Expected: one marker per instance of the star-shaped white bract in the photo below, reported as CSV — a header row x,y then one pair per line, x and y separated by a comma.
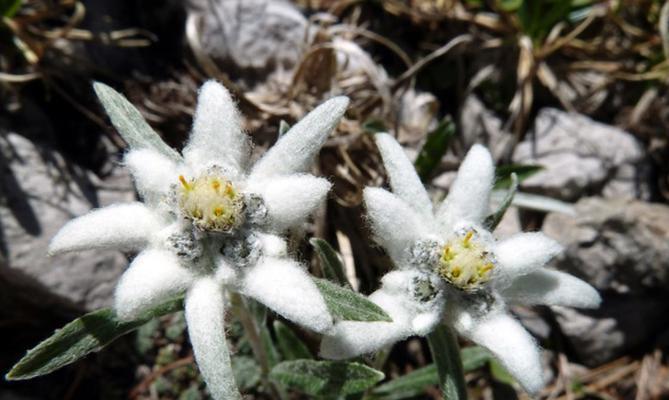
x,y
210,224
451,269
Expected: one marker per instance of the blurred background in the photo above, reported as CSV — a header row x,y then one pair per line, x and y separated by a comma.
x,y
569,94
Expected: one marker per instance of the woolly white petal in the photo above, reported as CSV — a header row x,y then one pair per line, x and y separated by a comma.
x,y
205,316
272,245
403,177
394,224
523,253
352,338
469,196
510,343
291,199
217,136
154,277
296,149
554,288
286,288
153,173
121,226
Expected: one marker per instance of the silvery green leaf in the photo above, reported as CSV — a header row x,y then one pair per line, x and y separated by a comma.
x,y
435,147
333,267
84,335
283,127
500,374
345,304
290,346
246,371
523,171
494,219
445,352
325,378
129,122
414,383
535,202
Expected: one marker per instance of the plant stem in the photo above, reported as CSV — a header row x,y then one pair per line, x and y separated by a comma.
x,y
446,355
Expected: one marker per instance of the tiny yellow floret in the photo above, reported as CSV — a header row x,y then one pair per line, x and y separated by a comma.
x,y
465,262
210,208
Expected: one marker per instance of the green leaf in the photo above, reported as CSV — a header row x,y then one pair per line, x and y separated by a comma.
x,y
374,126
414,383
84,335
130,124
331,264
347,305
536,202
246,371
8,8
494,219
445,351
283,127
474,357
503,174
325,378
434,148
500,374
290,346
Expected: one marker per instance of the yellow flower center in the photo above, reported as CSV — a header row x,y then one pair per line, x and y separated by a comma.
x,y
465,262
211,202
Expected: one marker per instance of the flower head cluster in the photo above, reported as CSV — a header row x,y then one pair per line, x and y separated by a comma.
x,y
211,224
451,269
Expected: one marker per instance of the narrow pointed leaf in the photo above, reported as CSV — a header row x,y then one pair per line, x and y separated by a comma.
x,y
290,346
84,335
331,264
414,383
445,351
347,305
325,378
503,174
129,122
283,127
434,148
494,219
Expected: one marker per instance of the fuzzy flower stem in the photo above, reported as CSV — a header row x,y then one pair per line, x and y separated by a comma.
x,y
250,327
445,351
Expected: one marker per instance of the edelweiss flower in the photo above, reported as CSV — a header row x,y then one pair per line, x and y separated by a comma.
x,y
452,270
209,224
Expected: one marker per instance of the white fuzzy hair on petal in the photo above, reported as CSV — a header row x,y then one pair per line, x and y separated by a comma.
x,y
153,173
402,175
469,196
352,338
272,245
291,199
154,277
295,150
521,254
120,226
395,225
286,288
205,317
217,136
510,343
553,288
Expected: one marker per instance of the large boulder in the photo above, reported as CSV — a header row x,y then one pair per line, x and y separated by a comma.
x,y
622,248
582,157
41,191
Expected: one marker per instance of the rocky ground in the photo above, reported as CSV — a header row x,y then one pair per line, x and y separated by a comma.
x,y
586,101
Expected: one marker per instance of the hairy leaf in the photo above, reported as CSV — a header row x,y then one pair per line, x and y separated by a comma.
x,y
84,335
333,268
345,304
129,122
325,378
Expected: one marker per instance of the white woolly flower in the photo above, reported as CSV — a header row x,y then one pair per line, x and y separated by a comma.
x,y
210,224
452,270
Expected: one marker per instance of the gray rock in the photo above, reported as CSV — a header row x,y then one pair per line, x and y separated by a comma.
x,y
582,157
41,191
480,125
617,245
622,324
251,34
622,248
